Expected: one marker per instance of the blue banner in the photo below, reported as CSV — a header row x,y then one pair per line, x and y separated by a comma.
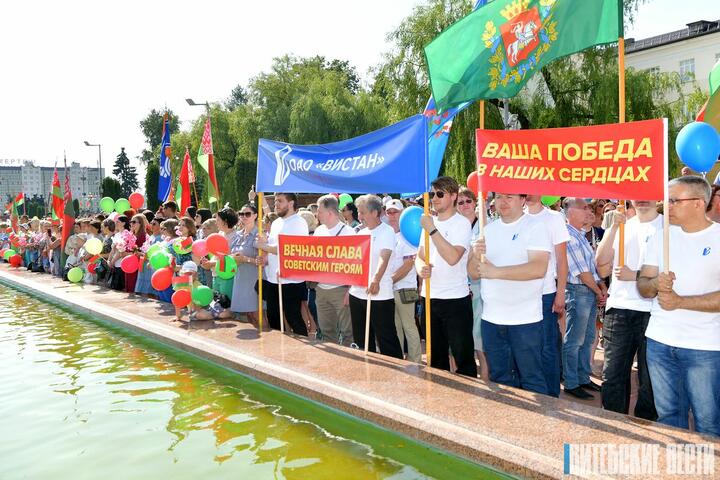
x,y
165,181
390,160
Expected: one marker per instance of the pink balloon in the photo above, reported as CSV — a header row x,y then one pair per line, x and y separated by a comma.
x,y
136,200
199,248
130,264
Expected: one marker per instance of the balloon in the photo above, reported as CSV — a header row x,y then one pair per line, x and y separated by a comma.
x,y
122,205
161,279
92,267
15,260
181,298
94,246
549,200
217,244
472,182
9,253
344,199
182,245
229,267
410,227
160,260
199,248
9,230
130,264
154,248
698,146
202,296
107,204
136,200
75,274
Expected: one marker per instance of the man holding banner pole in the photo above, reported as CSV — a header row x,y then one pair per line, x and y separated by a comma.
x,y
293,291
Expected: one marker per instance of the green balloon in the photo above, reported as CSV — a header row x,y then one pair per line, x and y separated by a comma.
x,y
75,274
230,268
202,296
122,205
344,199
160,260
549,200
9,253
107,204
155,248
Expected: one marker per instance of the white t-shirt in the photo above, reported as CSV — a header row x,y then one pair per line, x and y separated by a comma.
x,y
383,238
625,294
554,222
695,260
292,225
448,282
513,302
403,250
339,230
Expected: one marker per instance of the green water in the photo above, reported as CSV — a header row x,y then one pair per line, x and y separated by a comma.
x,y
82,400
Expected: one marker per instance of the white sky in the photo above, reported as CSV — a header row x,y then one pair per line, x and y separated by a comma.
x,y
91,70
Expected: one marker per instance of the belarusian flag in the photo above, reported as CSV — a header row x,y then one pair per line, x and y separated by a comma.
x,y
206,160
14,214
57,199
182,194
493,51
710,112
68,216
19,199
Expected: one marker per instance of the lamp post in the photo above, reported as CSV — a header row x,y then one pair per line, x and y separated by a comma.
x,y
88,144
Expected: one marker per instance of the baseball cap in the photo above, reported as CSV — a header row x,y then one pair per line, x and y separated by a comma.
x,y
394,203
189,266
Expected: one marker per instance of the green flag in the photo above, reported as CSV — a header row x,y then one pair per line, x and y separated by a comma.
x,y
714,78
493,51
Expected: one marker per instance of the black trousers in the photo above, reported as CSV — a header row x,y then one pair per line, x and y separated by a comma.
x,y
382,326
293,295
623,337
451,322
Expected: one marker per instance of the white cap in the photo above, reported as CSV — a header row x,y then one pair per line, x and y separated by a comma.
x,y
394,203
386,199
189,266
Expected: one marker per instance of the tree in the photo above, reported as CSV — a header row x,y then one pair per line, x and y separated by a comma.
x,y
151,127
125,173
111,188
152,181
238,97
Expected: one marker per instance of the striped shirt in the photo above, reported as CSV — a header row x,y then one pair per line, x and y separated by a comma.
x,y
581,257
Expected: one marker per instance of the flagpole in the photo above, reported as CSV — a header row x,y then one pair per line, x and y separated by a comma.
x,y
481,194
260,266
621,119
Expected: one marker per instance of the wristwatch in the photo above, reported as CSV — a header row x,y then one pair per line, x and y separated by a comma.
x,y
433,231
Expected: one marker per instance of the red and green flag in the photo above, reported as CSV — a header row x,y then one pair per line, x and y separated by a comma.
x,y
182,193
710,112
14,216
493,51
57,198
206,159
68,213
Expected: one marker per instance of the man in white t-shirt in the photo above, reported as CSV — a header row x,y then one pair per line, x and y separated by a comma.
x,y
382,303
404,280
683,334
553,298
294,291
451,317
332,300
517,252
626,312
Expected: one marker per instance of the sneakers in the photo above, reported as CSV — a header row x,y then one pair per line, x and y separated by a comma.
x,y
578,392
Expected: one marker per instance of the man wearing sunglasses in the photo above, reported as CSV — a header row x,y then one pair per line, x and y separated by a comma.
x,y
683,334
451,314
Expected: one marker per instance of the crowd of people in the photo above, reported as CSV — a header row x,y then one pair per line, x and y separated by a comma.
x,y
521,293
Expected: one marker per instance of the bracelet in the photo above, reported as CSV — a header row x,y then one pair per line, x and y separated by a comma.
x,y
432,232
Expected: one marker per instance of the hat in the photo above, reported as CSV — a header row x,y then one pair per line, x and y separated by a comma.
x,y
189,266
394,203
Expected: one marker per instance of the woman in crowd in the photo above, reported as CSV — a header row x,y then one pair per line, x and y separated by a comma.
x,y
108,231
169,234
138,227
244,297
117,280
350,214
143,285
201,216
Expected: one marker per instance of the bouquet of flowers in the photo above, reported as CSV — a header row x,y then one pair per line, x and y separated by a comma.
x,y
125,241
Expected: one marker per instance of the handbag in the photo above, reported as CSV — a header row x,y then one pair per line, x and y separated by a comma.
x,y
408,295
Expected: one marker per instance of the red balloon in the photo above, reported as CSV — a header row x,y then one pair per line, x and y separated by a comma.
x,y
92,267
130,264
15,260
472,182
136,200
181,298
217,244
162,279
199,248
8,230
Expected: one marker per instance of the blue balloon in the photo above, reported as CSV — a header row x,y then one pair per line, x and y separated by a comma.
x,y
410,227
698,146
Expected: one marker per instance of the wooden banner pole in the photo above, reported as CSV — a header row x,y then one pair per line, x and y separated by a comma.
x,y
621,119
260,264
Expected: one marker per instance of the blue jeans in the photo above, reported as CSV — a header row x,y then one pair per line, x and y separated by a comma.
x,y
514,354
683,380
550,347
580,307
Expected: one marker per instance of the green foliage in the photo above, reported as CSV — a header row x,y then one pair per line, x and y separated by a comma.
x,y
151,127
126,173
152,180
111,188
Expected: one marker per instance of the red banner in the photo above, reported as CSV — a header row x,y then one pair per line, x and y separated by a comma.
x,y
625,161
335,260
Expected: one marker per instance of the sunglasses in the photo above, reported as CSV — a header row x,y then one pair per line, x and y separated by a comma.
x,y
245,214
464,202
439,194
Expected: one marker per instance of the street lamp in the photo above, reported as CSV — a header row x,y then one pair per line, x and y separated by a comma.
x,y
88,144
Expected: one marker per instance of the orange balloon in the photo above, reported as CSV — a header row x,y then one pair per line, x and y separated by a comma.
x,y
472,182
217,244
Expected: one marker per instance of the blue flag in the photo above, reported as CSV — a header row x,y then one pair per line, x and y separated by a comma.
x,y
390,160
165,182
